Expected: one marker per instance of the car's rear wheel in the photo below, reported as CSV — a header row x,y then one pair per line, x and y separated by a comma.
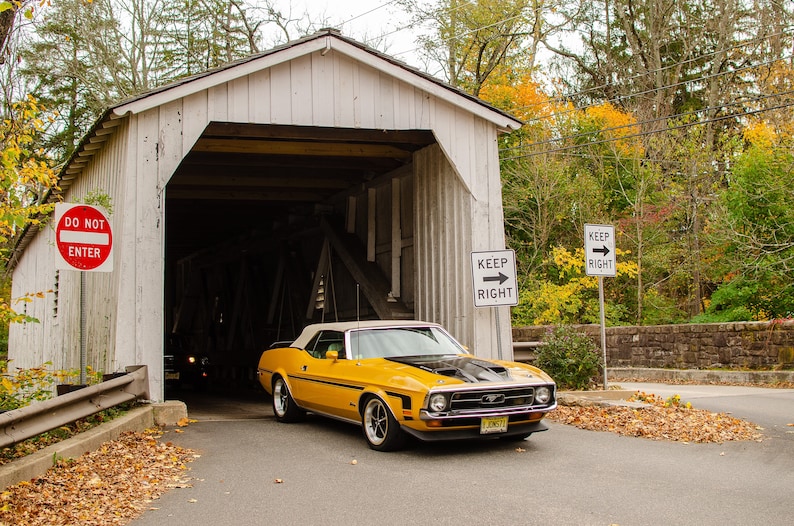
x,y
284,406
381,429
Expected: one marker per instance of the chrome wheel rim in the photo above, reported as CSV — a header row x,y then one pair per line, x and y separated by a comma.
x,y
280,397
376,422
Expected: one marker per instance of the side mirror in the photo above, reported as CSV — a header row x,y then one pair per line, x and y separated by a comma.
x,y
332,355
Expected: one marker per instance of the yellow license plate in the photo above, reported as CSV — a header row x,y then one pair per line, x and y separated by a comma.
x,y
493,424
172,376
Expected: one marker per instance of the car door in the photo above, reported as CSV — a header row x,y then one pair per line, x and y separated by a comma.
x,y
328,384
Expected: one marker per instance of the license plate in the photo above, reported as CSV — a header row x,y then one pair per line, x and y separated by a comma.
x,y
172,376
493,424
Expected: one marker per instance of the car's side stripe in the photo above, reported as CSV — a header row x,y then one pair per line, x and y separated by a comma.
x,y
327,382
406,400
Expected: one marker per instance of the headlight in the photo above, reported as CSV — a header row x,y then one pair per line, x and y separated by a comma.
x,y
542,395
191,359
438,402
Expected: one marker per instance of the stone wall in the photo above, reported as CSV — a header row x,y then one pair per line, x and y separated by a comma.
x,y
746,345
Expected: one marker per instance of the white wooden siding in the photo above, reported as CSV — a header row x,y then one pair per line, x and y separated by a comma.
x,y
56,338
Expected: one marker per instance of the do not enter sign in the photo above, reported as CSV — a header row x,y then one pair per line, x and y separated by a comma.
x,y
84,238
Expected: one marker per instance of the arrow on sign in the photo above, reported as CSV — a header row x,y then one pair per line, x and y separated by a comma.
x,y
501,278
604,251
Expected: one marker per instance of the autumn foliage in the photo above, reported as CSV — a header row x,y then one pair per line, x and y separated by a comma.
x,y
111,485
657,419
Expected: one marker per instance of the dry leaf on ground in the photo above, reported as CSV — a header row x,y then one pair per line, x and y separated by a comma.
x,y
111,485
658,421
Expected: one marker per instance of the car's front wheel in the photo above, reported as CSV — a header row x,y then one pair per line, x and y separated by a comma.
x,y
284,406
381,429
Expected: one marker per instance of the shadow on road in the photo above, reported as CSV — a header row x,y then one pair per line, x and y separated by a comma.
x,y
207,406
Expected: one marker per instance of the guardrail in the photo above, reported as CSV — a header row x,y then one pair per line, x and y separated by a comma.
x,y
26,422
525,351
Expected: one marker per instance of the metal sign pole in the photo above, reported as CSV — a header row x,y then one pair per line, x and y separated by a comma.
x,y
83,346
603,327
498,335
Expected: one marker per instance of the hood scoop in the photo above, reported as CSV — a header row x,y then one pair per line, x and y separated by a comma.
x,y
463,368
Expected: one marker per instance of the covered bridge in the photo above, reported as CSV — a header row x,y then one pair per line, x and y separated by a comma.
x,y
318,180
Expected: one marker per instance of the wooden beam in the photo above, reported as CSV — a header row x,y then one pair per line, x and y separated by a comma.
x,y
222,194
396,238
322,270
260,181
314,149
350,223
369,276
415,139
372,202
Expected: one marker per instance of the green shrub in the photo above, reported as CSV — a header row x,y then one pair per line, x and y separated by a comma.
x,y
20,387
570,357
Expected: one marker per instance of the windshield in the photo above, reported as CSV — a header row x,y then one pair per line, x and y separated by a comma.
x,y
401,341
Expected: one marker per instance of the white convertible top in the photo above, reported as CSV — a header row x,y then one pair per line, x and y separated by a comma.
x,y
310,330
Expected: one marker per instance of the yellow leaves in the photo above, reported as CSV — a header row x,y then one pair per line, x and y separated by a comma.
x,y
614,123
6,385
563,296
25,172
521,96
760,134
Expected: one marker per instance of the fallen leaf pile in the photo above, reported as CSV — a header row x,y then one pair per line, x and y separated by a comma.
x,y
657,420
9,454
111,485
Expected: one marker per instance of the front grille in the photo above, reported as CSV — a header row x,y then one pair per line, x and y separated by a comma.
x,y
492,399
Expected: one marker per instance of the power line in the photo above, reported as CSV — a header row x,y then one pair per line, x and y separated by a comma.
x,y
412,25
641,134
660,119
649,91
659,70
365,13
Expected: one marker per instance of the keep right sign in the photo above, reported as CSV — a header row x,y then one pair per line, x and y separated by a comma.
x,y
599,250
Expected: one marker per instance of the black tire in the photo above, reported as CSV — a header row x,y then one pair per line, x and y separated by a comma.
x,y
380,428
284,406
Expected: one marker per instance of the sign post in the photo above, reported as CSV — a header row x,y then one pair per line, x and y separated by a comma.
x,y
84,239
494,277
599,260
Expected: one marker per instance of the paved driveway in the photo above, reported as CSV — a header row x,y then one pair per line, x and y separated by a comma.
x,y
562,476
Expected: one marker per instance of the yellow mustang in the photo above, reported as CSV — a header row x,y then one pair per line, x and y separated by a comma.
x,y
399,378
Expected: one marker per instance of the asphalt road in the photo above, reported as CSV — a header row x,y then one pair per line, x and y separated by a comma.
x,y
253,471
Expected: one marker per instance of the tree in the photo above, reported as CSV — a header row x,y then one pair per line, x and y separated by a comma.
x,y
756,234
9,10
65,66
26,178
469,41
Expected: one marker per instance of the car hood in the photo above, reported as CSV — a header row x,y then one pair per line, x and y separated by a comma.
x,y
467,368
